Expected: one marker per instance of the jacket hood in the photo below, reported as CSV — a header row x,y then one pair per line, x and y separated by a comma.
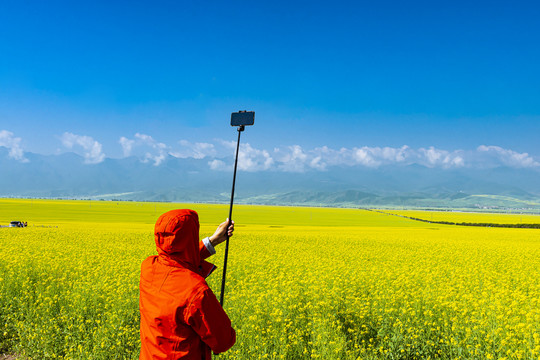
x,y
177,239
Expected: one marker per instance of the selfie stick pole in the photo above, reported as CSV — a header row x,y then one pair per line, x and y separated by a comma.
x,y
240,129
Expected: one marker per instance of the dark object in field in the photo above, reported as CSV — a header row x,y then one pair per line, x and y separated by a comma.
x,y
18,224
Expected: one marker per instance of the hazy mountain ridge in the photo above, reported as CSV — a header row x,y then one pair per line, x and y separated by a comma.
x,y
192,180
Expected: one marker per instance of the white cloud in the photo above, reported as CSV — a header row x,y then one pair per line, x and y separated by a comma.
x,y
294,159
127,145
151,149
508,157
251,159
195,150
366,156
435,157
218,165
8,140
92,150
395,154
322,157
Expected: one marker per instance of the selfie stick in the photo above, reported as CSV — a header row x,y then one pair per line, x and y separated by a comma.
x,y
241,126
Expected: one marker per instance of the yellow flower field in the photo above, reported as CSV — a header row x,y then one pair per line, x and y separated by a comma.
x,y
302,283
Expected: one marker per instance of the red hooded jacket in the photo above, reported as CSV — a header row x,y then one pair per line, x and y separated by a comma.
x,y
180,316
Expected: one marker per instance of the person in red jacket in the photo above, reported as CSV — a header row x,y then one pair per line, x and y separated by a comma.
x,y
181,317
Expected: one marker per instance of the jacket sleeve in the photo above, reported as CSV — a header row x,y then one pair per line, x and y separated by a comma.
x,y
205,268
208,319
203,251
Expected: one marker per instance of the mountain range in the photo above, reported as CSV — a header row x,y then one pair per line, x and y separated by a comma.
x,y
192,180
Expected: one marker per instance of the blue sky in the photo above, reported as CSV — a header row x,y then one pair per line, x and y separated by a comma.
x,y
452,76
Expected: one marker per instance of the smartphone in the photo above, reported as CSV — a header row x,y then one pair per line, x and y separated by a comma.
x,y
242,118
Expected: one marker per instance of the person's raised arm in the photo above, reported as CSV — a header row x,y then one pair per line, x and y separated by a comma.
x,y
207,245
220,233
